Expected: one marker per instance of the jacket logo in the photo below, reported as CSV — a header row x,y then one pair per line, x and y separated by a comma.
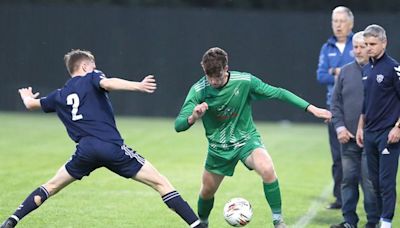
x,y
379,78
385,151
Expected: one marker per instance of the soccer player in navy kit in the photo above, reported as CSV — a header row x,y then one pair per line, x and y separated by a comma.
x,y
379,123
85,110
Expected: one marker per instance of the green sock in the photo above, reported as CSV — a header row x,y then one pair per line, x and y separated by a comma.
x,y
273,196
204,208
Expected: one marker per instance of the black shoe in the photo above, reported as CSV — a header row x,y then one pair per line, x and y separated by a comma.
x,y
334,205
204,224
371,225
343,225
9,223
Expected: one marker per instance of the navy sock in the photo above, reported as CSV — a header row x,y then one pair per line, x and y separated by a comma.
x,y
181,207
33,201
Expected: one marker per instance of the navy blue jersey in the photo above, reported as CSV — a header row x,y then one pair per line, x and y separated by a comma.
x,y
381,93
84,108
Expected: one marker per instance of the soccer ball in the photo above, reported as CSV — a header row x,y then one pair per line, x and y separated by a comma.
x,y
238,212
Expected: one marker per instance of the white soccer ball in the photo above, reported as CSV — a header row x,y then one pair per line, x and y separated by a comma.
x,y
238,212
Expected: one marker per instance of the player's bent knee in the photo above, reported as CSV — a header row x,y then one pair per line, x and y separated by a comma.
x,y
268,175
206,195
207,192
267,171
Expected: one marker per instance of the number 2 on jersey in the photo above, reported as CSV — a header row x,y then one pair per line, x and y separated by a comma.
x,y
73,100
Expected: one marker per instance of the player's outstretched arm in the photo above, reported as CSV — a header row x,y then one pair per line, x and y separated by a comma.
x,y
147,85
30,100
320,112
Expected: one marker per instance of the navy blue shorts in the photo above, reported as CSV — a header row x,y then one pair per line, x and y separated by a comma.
x,y
92,153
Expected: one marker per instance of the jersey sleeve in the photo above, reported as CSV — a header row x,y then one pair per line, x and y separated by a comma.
x,y
323,75
337,102
397,79
48,103
96,77
192,99
260,90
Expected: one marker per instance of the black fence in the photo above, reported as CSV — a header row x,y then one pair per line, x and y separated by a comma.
x,y
282,48
297,5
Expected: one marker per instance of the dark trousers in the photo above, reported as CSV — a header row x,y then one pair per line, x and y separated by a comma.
x,y
355,173
383,162
337,172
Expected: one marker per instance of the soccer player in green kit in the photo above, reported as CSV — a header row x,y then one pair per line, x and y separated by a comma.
x,y
222,99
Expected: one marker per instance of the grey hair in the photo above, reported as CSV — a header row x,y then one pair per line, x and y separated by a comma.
x,y
375,31
344,9
358,37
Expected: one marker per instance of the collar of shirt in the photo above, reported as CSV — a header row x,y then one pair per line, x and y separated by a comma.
x,y
375,61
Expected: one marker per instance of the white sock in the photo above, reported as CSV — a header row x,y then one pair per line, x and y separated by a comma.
x,y
196,223
276,217
386,224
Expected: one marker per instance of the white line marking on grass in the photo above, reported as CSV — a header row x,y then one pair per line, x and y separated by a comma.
x,y
314,208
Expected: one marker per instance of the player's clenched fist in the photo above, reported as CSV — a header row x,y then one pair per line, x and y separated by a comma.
x,y
198,112
200,109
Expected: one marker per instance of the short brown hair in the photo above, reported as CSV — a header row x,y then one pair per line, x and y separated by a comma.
x,y
214,61
74,58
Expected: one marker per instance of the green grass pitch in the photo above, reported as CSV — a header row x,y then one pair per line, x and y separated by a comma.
x,y
34,146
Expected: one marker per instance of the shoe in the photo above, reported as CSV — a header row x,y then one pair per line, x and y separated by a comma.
x,y
202,225
344,225
279,224
334,205
371,225
9,223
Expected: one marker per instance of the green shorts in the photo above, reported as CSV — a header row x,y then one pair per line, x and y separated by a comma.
x,y
223,162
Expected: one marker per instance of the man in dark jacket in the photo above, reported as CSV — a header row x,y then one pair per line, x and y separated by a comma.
x,y
347,100
379,125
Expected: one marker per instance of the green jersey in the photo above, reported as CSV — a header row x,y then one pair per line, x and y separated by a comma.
x,y
228,122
